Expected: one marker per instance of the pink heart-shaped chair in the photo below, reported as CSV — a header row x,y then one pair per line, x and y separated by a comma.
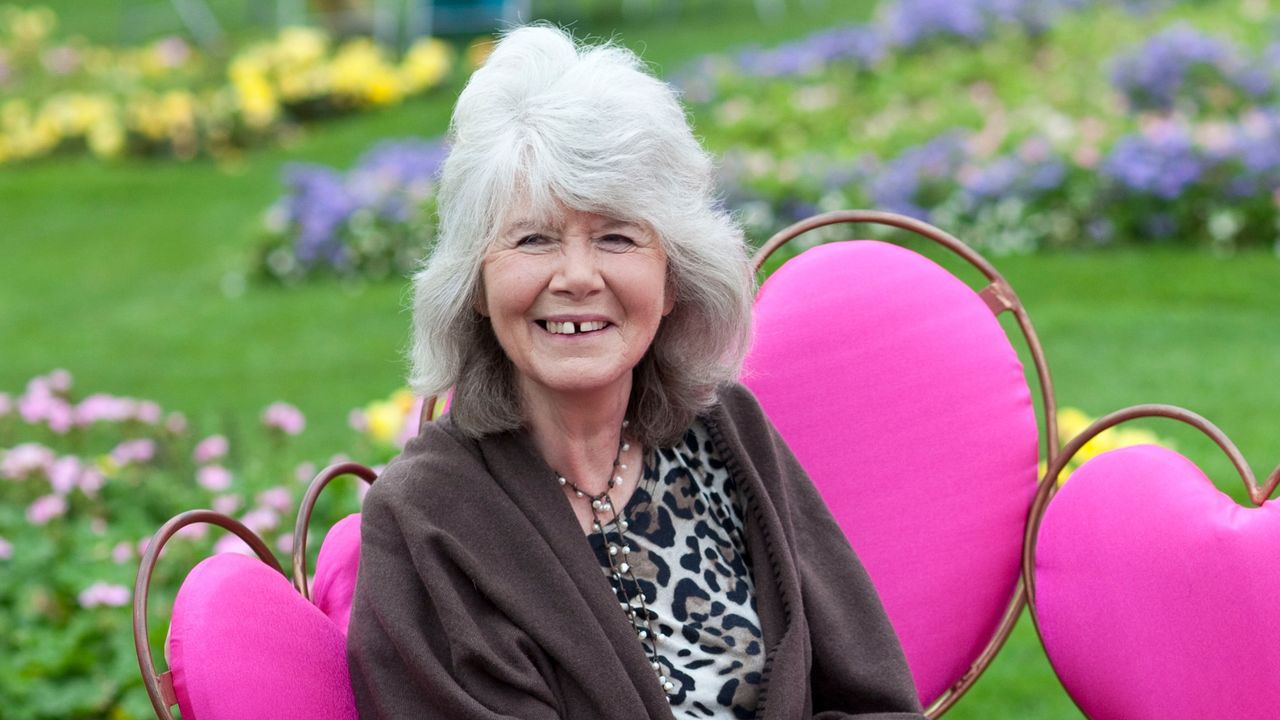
x,y
243,642
1152,590
898,390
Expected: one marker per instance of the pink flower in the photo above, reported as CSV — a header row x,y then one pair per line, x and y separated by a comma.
x,y
64,474
261,519
148,412
276,498
6,549
358,420
45,509
305,472
59,381
98,526
122,552
143,544
214,478
22,461
6,404
285,544
210,449
194,531
101,407
60,416
91,481
226,504
230,543
102,594
176,423
134,451
284,417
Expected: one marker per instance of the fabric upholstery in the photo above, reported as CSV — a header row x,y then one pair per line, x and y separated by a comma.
x,y
244,645
1155,591
901,395
336,570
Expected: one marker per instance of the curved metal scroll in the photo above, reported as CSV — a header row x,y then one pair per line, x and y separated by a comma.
x,y
428,413
999,296
160,687
304,516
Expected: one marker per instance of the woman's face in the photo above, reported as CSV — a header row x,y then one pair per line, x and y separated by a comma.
x,y
575,301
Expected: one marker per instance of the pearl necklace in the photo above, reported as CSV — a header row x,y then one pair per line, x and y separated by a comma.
x,y
621,574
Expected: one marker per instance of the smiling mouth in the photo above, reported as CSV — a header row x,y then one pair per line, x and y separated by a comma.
x,y
572,328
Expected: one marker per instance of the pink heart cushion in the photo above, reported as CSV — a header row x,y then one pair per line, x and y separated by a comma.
x,y
901,395
337,566
245,645
1156,592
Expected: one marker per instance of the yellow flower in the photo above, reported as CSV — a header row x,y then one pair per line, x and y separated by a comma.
x,y
106,138
302,45
425,65
386,418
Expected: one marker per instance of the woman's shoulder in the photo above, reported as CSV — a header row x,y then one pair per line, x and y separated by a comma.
x,y
425,475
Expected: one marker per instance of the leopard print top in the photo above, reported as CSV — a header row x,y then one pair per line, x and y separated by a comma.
x,y
689,558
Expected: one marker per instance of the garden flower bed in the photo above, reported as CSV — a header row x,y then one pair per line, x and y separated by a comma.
x,y
933,111
65,95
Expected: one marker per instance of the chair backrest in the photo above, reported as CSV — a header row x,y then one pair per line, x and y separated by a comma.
x,y
897,388
243,641
1152,590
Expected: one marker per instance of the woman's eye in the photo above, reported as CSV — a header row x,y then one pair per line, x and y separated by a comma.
x,y
617,240
531,241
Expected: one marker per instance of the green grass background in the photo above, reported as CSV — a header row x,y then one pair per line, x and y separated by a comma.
x,y
118,273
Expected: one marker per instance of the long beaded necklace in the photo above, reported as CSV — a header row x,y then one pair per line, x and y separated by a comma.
x,y
621,574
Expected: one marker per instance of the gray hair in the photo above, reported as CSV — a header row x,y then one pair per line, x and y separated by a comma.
x,y
553,124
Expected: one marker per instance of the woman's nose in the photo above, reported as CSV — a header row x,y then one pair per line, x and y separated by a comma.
x,y
578,272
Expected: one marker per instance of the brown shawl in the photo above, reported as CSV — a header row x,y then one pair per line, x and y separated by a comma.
x,y
479,598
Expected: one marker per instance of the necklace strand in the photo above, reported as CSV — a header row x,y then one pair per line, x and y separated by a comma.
x,y
620,568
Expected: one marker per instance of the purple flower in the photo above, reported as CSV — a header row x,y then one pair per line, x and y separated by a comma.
x,y
394,177
46,508
1167,66
1163,164
284,417
101,594
898,186
22,461
318,203
6,549
213,478
134,452
210,449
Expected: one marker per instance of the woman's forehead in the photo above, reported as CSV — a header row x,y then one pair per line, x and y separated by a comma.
x,y
560,217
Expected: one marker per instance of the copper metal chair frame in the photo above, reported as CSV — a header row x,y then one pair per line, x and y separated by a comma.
x,y
999,297
1258,494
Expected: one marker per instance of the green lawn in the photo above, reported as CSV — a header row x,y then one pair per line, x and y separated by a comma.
x,y
117,273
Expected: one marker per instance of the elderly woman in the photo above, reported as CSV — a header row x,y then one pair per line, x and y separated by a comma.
x,y
605,526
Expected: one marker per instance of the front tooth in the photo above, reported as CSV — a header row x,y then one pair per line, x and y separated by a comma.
x,y
567,328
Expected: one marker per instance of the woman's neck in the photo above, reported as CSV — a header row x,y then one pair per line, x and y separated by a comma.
x,y
579,434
